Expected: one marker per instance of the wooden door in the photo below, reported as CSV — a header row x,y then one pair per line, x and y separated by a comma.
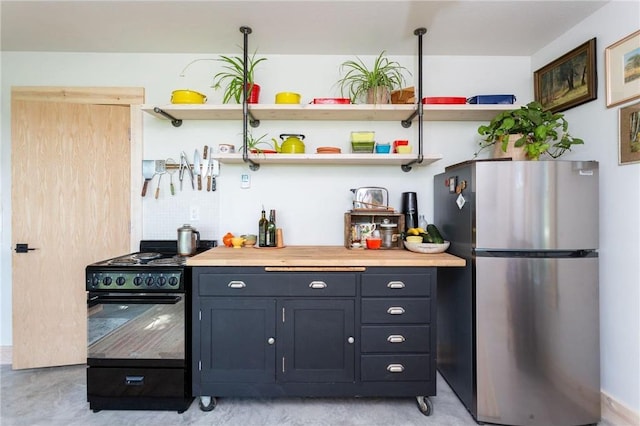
x,y
71,167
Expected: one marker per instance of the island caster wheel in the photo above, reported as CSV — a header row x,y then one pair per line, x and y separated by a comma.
x,y
207,403
424,405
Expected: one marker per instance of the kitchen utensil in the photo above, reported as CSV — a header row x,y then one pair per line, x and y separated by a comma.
x,y
185,96
426,247
383,148
148,172
215,171
287,98
184,165
331,101
196,168
387,231
291,145
188,240
410,209
171,167
363,136
161,168
444,100
373,243
370,197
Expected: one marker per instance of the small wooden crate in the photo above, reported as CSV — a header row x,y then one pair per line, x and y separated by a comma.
x,y
355,217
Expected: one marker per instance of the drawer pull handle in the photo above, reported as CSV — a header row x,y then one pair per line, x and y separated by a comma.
x,y
395,310
134,380
318,284
395,284
396,338
395,368
236,284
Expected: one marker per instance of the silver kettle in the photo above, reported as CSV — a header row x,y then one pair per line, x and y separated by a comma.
x,y
188,240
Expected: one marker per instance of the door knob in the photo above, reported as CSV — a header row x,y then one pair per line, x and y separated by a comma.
x,y
23,248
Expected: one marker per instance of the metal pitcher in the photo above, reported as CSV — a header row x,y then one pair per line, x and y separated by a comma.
x,y
188,240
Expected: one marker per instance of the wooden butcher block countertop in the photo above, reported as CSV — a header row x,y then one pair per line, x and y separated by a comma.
x,y
319,256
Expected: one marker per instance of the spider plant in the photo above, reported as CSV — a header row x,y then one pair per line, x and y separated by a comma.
x,y
232,76
359,80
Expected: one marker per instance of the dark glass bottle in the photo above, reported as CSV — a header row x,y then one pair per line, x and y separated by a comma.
x,y
271,229
262,230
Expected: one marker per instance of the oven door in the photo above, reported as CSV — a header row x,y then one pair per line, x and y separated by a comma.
x,y
136,329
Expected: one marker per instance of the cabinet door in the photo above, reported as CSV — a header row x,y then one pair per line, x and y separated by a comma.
x,y
316,343
235,340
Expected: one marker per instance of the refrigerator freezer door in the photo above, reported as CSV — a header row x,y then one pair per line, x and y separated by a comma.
x,y
528,205
537,337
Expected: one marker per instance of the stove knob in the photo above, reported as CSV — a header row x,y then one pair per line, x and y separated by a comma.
x,y
149,281
107,281
162,281
95,281
137,281
120,281
173,281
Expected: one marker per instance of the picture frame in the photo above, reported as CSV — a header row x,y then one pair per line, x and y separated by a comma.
x,y
568,81
622,70
629,143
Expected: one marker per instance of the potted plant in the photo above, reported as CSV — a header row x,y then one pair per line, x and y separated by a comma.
x,y
375,83
530,128
233,77
254,143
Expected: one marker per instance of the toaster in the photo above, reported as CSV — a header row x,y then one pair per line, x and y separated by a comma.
x,y
370,198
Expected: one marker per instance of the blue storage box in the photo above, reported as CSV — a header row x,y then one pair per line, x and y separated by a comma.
x,y
492,99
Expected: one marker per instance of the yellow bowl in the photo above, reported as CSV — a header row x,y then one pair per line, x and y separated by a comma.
x,y
403,149
287,98
187,97
237,242
414,239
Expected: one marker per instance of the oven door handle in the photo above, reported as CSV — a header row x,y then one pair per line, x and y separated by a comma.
x,y
132,299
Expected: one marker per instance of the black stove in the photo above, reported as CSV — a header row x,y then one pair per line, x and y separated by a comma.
x,y
139,329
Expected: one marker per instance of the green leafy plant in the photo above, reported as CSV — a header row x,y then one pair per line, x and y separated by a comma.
x,y
358,79
254,143
540,131
232,76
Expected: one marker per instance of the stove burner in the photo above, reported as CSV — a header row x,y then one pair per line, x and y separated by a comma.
x,y
146,256
171,261
124,261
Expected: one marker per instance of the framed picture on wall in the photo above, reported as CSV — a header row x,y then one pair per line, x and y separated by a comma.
x,y
622,70
629,147
568,81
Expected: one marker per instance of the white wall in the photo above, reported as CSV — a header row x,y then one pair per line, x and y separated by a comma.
x,y
311,200
619,205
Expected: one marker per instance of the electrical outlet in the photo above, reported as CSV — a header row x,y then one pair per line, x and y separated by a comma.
x,y
194,213
245,181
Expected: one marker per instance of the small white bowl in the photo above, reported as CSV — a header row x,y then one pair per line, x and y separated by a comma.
x,y
429,248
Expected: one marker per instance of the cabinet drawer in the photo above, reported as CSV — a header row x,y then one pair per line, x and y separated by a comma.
x,y
397,285
394,339
136,382
393,368
267,284
396,311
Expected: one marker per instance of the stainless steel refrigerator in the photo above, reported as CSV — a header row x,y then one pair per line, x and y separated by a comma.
x,y
518,326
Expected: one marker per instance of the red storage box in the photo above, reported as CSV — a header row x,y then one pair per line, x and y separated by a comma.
x,y
444,100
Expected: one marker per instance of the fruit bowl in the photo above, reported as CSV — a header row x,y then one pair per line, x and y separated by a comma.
x,y
426,247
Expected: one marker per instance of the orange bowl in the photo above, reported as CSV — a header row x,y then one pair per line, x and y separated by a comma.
x,y
374,243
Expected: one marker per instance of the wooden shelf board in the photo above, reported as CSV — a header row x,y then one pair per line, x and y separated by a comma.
x,y
327,159
334,112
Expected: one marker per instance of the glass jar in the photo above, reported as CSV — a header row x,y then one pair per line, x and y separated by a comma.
x,y
387,230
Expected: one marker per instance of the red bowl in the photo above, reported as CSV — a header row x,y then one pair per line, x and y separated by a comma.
x,y
444,100
374,243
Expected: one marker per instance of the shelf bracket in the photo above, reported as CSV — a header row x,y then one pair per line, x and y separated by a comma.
x,y
176,122
419,32
245,105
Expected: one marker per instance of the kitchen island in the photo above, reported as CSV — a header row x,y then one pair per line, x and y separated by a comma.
x,y
314,321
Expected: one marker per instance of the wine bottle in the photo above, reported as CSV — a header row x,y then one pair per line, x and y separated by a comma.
x,y
262,229
271,229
